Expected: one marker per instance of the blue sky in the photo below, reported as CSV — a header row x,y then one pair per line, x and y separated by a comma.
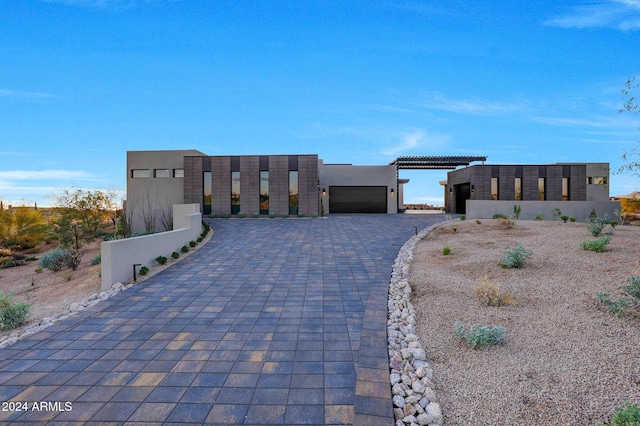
x,y
362,82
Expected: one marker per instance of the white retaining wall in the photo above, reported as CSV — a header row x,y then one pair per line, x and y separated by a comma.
x,y
485,209
119,256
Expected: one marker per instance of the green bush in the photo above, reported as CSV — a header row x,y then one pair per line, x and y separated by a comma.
x,y
314,215
12,315
256,215
478,221
184,249
572,219
628,415
300,214
446,250
58,258
500,216
479,335
7,262
199,240
225,215
540,216
556,213
96,260
175,255
192,244
517,209
595,224
161,260
285,215
272,215
599,245
240,215
144,270
515,257
564,218
620,306
463,217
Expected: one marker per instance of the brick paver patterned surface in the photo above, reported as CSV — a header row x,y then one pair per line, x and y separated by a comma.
x,y
274,321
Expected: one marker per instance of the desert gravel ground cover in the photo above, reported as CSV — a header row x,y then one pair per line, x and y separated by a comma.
x,y
565,361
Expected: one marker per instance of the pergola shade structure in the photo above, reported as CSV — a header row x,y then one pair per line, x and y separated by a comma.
x,y
426,162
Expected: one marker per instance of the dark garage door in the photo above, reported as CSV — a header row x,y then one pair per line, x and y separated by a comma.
x,y
357,199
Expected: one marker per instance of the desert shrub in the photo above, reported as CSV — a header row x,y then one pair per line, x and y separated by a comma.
x,y
463,217
53,259
629,300
479,336
613,224
572,219
241,215
539,216
515,257
144,270
455,229
598,245
595,224
300,214
12,314
478,221
4,252
564,218
272,215
161,260
446,250
285,215
500,216
628,415
7,262
192,244
184,249
175,255
556,213
199,239
72,259
314,215
517,209
225,215
96,260
255,215
507,222
491,294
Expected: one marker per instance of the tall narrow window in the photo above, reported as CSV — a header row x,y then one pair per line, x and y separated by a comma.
x,y
235,192
565,189
264,192
494,188
542,189
518,191
206,193
293,192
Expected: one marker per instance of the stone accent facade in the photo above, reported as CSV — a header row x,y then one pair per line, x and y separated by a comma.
x,y
249,167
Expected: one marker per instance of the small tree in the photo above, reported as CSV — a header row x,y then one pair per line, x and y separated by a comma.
x,y
631,158
21,226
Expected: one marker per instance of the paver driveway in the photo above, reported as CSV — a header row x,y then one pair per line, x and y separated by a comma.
x,y
272,322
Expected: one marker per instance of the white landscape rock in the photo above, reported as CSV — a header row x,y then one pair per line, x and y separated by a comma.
x,y
411,374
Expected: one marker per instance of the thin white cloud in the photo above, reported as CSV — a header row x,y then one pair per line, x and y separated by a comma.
x,y
438,101
21,94
623,15
416,139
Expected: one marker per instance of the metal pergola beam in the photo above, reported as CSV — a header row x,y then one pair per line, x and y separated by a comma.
x,y
435,162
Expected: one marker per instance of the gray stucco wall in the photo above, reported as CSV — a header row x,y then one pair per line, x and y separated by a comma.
x,y
485,209
158,193
350,175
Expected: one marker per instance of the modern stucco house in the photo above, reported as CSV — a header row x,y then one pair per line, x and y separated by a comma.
x,y
574,188
302,184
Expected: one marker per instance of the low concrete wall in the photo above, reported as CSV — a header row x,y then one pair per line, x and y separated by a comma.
x,y
485,209
119,256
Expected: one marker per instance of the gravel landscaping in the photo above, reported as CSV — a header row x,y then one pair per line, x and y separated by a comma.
x,y
565,359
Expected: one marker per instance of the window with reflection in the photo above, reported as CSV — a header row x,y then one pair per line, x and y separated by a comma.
x,y
494,188
264,192
565,189
206,193
293,192
518,189
235,192
542,185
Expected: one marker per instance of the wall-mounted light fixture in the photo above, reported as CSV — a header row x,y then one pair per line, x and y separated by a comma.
x,y
392,193
473,189
324,192
450,192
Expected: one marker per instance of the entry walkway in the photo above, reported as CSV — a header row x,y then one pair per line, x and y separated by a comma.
x,y
272,322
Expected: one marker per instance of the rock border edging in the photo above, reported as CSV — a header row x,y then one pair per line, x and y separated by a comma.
x,y
414,398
